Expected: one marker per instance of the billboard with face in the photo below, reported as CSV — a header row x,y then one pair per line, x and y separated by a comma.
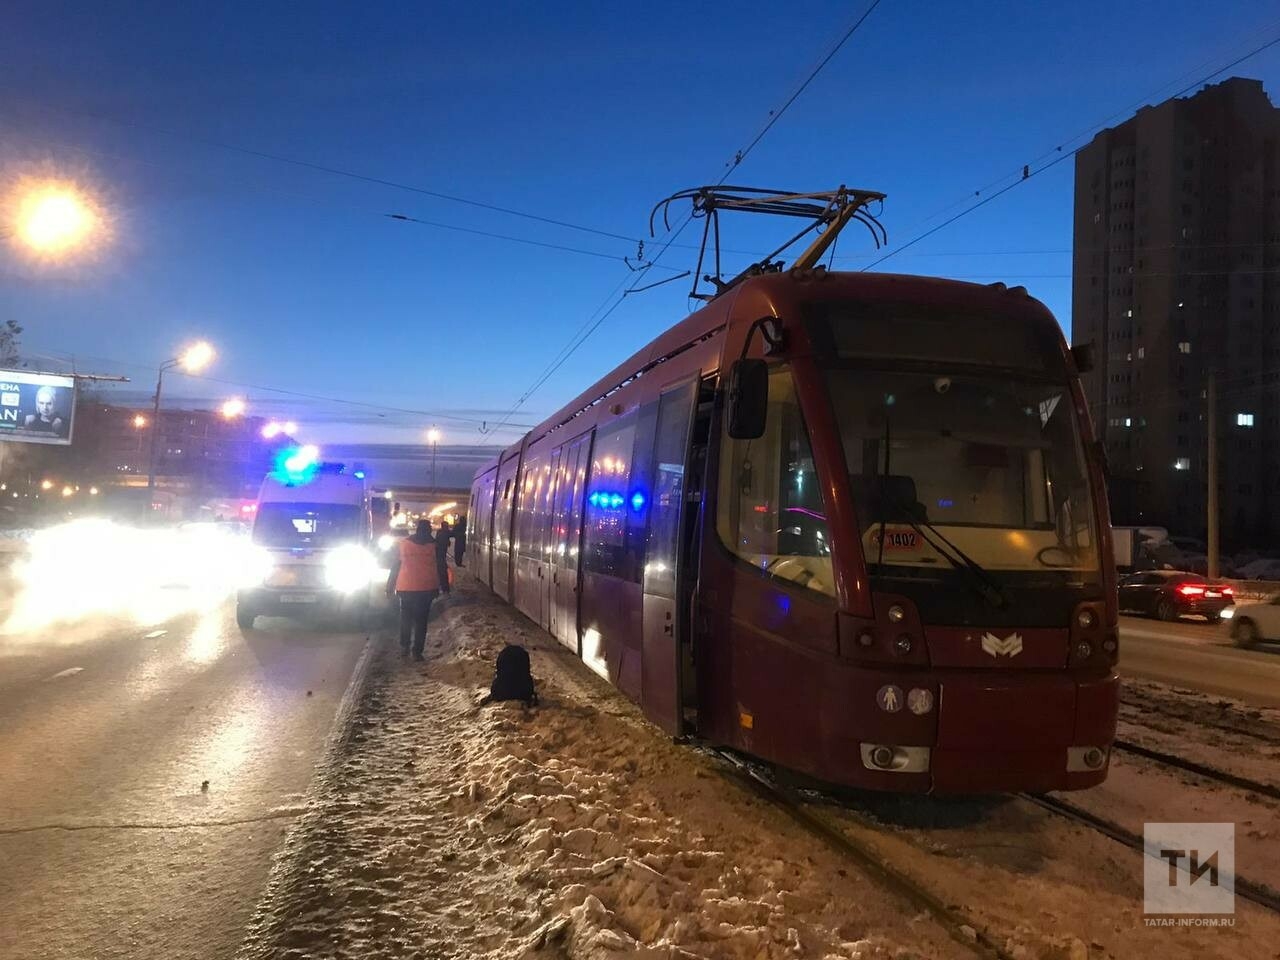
x,y
36,407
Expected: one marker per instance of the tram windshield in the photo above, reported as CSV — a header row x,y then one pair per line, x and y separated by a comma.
x,y
986,465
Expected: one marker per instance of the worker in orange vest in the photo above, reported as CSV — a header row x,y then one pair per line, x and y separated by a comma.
x,y
415,580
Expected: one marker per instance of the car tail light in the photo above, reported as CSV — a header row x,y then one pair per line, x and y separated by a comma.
x,y
1191,590
1228,592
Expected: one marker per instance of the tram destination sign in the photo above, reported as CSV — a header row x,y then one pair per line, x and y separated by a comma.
x,y
36,407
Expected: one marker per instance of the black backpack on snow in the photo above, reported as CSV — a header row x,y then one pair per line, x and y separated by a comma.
x,y
512,679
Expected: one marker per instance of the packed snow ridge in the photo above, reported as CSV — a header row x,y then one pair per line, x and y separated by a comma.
x,y
575,829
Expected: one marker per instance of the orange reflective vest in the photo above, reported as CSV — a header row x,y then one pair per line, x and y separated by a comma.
x,y
417,566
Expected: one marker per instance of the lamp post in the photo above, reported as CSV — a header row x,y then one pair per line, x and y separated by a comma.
x,y
433,437
195,357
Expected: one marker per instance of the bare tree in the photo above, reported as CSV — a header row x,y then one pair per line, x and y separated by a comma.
x,y
10,331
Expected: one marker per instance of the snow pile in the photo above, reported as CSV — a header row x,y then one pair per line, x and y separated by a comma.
x,y
574,830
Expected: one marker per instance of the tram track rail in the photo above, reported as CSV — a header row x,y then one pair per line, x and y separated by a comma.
x,y
1257,893
965,930
962,929
1199,769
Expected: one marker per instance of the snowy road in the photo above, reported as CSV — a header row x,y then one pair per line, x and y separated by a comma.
x,y
110,847
1199,656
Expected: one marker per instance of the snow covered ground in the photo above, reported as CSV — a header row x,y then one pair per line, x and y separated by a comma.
x,y
572,830
578,830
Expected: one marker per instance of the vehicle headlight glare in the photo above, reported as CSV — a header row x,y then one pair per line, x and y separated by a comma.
x,y
257,566
349,568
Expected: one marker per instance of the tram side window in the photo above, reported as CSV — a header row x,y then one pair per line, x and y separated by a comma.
x,y
770,509
529,519
607,501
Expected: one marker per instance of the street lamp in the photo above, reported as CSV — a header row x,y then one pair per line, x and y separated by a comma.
x,y
139,421
196,357
235,407
433,438
53,218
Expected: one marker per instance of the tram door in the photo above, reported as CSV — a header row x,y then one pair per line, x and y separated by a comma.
x,y
565,538
550,541
661,624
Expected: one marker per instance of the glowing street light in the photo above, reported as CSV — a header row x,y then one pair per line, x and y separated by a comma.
x,y
67,491
235,407
52,218
93,491
46,484
275,429
139,421
193,359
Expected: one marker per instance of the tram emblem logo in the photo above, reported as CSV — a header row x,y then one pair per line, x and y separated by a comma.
x,y
1010,646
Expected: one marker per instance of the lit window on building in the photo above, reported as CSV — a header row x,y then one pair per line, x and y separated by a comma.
x,y
1184,346
1128,421
1142,352
1244,419
1182,463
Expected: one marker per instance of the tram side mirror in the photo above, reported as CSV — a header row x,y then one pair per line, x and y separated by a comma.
x,y
748,399
1082,353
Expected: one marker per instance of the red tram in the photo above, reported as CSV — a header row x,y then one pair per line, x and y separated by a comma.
x,y
851,524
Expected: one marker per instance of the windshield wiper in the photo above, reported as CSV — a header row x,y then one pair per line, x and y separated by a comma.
x,y
983,583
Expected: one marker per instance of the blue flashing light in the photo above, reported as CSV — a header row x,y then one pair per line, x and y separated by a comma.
x,y
784,604
296,465
613,500
359,474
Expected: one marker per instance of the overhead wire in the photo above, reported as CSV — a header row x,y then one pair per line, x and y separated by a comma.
x,y
584,332
64,357
1029,171
340,172
1123,112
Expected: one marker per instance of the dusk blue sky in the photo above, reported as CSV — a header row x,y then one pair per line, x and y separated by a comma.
x,y
583,112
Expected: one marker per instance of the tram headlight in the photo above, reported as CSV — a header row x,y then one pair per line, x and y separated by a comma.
x,y
1093,757
882,756
1084,649
1086,619
866,639
902,645
897,614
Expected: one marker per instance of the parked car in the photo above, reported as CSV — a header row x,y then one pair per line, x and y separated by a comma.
x,y
1170,594
1251,622
1264,568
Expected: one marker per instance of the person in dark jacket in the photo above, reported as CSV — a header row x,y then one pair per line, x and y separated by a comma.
x,y
442,555
459,541
414,579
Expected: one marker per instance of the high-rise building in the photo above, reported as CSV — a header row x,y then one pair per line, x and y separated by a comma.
x,y
1176,277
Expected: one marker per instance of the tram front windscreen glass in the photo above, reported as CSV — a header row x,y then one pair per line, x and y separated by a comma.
x,y
991,462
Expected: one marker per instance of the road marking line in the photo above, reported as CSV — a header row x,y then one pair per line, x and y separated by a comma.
x,y
69,672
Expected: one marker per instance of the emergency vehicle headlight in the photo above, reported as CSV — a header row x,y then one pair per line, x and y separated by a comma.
x,y
257,564
350,568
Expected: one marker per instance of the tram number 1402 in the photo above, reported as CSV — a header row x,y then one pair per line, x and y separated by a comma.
x,y
896,539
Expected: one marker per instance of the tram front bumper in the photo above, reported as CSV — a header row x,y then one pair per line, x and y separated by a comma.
x,y
1005,732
